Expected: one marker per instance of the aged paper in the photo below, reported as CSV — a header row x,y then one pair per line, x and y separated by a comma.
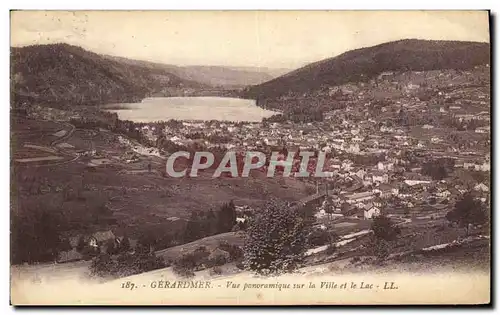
x,y
250,157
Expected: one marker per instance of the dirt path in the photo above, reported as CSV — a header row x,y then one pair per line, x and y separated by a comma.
x,y
70,129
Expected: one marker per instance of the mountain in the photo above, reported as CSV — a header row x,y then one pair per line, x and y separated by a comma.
x,y
65,75
365,63
226,76
214,76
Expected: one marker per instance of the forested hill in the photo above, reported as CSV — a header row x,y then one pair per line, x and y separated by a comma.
x,y
365,63
65,75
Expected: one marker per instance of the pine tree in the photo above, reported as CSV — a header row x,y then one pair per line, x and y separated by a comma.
x,y
125,244
81,244
276,239
385,233
226,217
468,211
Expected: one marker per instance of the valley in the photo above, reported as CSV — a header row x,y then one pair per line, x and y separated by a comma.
x,y
406,142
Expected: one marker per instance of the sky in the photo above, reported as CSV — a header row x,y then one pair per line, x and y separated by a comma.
x,y
274,39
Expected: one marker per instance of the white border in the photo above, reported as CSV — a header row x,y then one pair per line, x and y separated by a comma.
x,y
190,5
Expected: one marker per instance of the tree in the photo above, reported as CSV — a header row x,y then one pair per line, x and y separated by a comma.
x,y
468,211
102,266
385,232
276,239
146,242
226,217
184,265
124,264
36,235
125,244
384,229
211,223
318,237
438,169
81,244
110,247
193,231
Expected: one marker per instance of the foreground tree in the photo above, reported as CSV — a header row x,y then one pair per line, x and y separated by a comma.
x,y
385,233
276,239
81,244
384,229
125,244
226,217
36,235
468,211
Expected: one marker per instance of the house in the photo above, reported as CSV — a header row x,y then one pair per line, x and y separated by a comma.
x,y
380,177
485,167
271,142
357,139
361,174
383,190
378,202
100,239
353,148
481,187
381,166
411,182
404,195
443,194
361,205
371,211
436,140
358,197
133,243
485,129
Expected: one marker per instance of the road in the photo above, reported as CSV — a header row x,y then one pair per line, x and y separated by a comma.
x,y
70,129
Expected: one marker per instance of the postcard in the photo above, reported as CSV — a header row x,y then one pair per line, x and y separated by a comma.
x,y
250,158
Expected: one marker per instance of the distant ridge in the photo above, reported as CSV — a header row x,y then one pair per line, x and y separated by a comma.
x,y
365,63
214,76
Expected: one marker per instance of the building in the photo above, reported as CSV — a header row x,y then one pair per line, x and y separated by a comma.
x,y
481,187
100,239
358,197
371,211
380,177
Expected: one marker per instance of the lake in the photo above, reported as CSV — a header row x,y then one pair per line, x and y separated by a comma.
x,y
190,108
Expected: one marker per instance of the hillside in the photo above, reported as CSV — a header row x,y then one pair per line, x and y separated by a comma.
x,y
63,75
214,76
224,76
365,63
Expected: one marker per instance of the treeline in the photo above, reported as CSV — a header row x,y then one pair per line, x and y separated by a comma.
x,y
203,224
199,225
300,109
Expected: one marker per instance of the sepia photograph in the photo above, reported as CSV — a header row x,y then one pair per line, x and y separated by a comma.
x,y
250,158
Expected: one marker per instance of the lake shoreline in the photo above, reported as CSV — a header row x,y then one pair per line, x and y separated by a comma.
x,y
190,108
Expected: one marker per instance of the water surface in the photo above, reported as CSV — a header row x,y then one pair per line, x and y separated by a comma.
x,y
190,108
